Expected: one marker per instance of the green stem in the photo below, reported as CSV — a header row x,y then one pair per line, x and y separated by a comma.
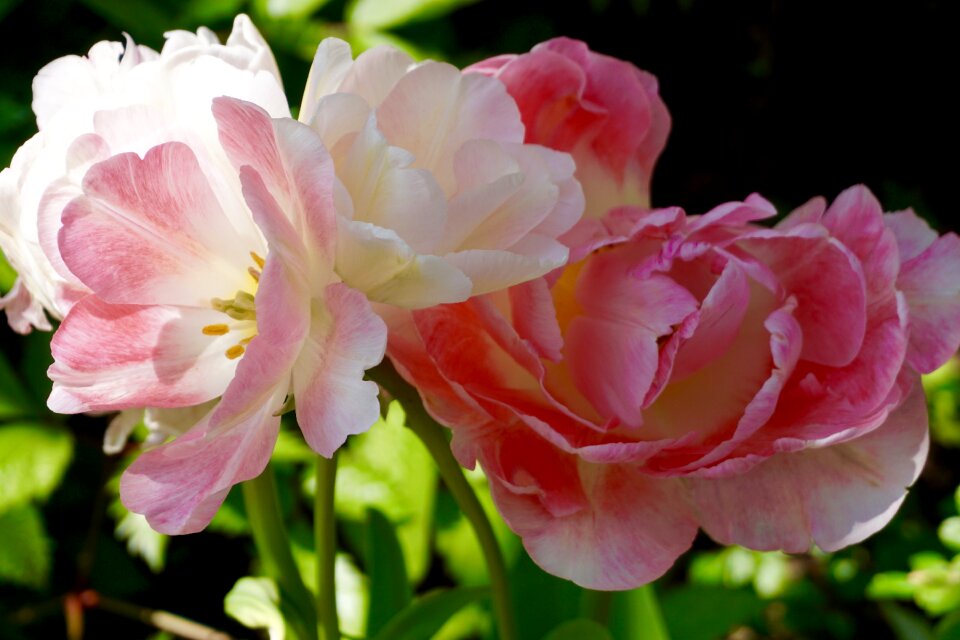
x,y
654,628
326,547
434,438
273,547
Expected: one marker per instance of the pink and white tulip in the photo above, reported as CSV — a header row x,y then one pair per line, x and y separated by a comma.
x,y
117,98
442,199
605,112
699,372
194,300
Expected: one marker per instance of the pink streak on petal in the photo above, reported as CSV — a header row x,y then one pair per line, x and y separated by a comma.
x,y
111,357
179,486
151,232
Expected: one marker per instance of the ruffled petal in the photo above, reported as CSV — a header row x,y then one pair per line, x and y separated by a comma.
x,y
832,497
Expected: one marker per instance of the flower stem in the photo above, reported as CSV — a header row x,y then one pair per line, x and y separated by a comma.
x,y
434,438
326,547
273,547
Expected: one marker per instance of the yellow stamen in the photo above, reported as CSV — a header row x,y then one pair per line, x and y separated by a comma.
x,y
260,261
254,273
248,339
235,351
215,330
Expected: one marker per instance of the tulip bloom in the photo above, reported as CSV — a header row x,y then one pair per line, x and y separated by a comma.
x,y
441,199
699,371
117,98
605,112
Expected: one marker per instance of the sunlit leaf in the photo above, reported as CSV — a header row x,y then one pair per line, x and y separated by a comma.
x,y
456,541
25,553
33,458
949,532
384,14
428,613
142,541
254,602
291,8
390,590
388,469
890,585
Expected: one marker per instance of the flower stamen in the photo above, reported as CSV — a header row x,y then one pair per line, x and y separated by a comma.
x,y
256,258
215,330
235,351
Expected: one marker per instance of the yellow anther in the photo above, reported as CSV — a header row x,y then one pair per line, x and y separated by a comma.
x,y
248,339
254,273
235,351
216,330
260,261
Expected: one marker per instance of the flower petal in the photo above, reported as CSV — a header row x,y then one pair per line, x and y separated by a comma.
x,y
333,400
179,486
832,497
151,231
110,357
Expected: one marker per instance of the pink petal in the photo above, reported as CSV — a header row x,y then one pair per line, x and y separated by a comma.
x,y
151,232
293,165
913,234
179,486
930,282
333,400
832,311
831,497
109,357
627,530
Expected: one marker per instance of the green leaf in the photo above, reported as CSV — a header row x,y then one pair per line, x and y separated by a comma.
x,y
33,458
579,629
706,613
384,14
427,614
291,8
7,273
456,541
142,541
390,591
890,585
254,602
948,628
207,11
388,469
949,533
549,600
15,400
906,625
25,554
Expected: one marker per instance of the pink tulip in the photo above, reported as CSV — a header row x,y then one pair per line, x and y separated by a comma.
x,y
605,112
194,300
699,372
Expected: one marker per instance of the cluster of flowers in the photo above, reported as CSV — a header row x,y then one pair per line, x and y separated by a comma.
x,y
624,375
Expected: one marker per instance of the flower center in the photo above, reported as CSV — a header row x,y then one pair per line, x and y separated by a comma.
x,y
242,310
